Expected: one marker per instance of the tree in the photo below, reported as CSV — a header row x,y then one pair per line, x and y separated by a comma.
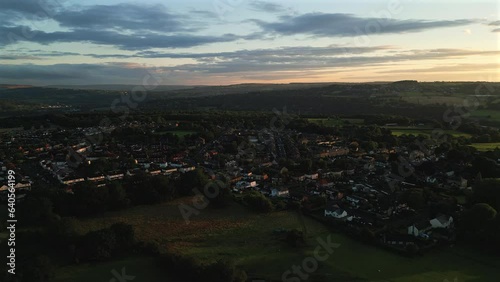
x,y
117,196
90,199
477,217
97,245
66,230
191,180
258,202
223,198
124,234
163,187
36,210
487,191
306,164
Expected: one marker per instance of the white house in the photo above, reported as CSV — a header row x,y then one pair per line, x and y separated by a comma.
x,y
279,192
419,229
442,221
338,213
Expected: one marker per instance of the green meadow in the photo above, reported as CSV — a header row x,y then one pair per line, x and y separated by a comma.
x,y
251,241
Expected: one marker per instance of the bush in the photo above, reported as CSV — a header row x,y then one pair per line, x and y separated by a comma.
x,y
258,202
105,243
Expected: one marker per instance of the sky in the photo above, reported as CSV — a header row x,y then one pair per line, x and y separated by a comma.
x,y
220,42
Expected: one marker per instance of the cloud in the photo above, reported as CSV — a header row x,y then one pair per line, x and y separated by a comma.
x,y
73,73
496,30
293,63
126,26
268,54
317,59
25,8
123,17
264,6
18,57
449,68
467,31
135,41
329,25
495,23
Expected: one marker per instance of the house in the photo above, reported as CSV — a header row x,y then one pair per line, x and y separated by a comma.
x,y
313,176
280,192
114,176
299,177
18,186
246,184
187,169
335,211
442,221
419,229
155,172
69,181
96,178
169,171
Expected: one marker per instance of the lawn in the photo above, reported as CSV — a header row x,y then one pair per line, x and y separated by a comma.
x,y
483,147
398,131
248,239
354,120
490,115
428,99
143,268
330,122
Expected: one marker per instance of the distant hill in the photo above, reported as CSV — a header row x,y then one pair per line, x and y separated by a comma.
x,y
302,97
118,87
14,86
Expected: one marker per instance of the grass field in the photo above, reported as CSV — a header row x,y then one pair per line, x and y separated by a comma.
x,y
400,130
248,239
142,268
489,115
483,147
326,121
329,122
421,99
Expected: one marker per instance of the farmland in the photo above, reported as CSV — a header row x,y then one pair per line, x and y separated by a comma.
x,y
486,146
427,131
329,122
486,115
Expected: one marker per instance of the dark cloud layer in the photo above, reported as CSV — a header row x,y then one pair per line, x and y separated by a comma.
x,y
123,17
328,25
136,41
142,26
126,26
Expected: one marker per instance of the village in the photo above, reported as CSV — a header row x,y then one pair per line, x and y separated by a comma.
x,y
361,192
